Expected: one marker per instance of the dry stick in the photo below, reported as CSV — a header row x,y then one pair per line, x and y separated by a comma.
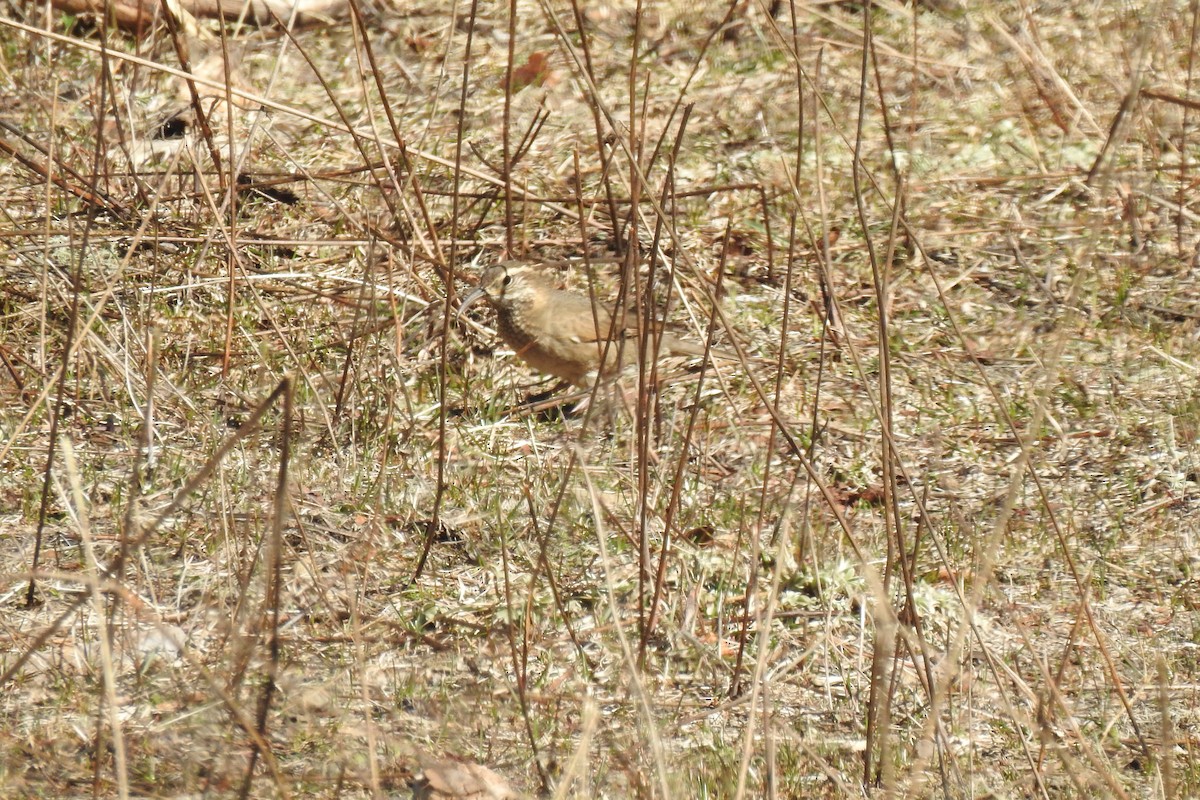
x,y
699,190
241,718
543,562
771,767
438,257
766,216
58,380
68,353
1069,648
357,320
369,165
638,185
993,664
1100,766
636,686
377,485
1187,103
185,72
1042,71
353,594
820,246
91,195
520,654
881,649
1119,128
833,317
1053,700
1022,465
969,621
506,126
108,687
758,684
249,240
248,427
579,758
832,328
842,21
680,464
1166,734
237,165
602,150
785,324
48,199
274,579
244,722
1101,644
649,345
616,320
448,301
143,457
647,412
906,556
229,204
735,684
760,517
534,128
456,184
232,262
522,149
121,136
268,312
42,638
701,55
358,138
881,275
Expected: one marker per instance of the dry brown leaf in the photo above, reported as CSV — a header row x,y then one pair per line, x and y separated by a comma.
x,y
444,779
533,72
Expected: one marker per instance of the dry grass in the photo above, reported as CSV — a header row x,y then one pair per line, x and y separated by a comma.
x,y
935,537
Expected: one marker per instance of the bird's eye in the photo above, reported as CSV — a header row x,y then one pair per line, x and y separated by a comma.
x,y
507,280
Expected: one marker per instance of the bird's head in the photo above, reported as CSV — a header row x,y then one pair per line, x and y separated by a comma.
x,y
502,284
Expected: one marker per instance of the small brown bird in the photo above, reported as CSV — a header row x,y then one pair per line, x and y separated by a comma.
x,y
559,332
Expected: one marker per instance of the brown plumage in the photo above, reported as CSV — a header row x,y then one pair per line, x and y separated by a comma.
x,y
559,332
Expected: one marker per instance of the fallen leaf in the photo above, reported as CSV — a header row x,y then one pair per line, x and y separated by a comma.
x,y
533,72
444,779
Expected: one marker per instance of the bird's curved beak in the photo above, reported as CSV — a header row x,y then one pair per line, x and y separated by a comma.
x,y
470,299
